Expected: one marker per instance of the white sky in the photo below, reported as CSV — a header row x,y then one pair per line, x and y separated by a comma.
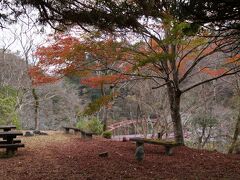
x,y
20,36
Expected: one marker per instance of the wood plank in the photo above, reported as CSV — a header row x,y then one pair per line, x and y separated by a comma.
x,y
11,145
153,141
68,127
7,126
14,141
80,130
10,133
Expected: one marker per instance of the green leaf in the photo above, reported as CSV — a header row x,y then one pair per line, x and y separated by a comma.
x,y
96,105
151,59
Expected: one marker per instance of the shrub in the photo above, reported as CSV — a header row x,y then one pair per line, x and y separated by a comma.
x,y
92,124
95,125
16,122
8,102
204,121
107,134
82,123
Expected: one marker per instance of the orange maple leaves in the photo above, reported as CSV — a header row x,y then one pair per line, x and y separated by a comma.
x,y
214,72
84,58
59,53
109,61
97,81
38,77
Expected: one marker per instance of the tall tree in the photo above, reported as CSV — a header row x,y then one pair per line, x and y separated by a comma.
x,y
70,57
170,62
236,133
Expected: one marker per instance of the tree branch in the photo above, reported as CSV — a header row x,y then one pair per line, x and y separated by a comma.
x,y
227,73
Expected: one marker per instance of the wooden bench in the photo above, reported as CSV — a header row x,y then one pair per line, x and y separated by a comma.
x,y
67,129
11,148
83,133
167,144
87,134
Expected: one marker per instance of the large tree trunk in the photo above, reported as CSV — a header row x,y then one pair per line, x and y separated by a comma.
x,y
36,109
235,136
174,100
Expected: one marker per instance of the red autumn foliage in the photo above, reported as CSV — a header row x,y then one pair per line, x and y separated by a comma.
x,y
57,53
68,55
97,81
86,57
214,72
38,77
235,59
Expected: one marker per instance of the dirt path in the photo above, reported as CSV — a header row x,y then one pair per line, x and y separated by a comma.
x,y
59,157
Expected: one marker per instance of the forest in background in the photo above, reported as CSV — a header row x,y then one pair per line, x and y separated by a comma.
x,y
209,112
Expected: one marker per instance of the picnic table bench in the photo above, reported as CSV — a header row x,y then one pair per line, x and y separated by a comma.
x,y
167,144
84,134
9,143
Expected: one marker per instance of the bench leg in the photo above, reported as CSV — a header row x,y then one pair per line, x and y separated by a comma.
x,y
67,131
139,143
168,150
88,136
82,135
139,153
11,151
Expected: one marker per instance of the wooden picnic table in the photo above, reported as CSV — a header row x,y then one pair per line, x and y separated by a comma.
x,y
10,144
7,127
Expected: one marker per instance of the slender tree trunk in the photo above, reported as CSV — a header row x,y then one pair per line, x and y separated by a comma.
x,y
207,138
235,136
105,110
36,108
174,100
105,118
200,139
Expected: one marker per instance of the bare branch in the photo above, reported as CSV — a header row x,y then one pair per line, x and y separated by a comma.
x,y
227,73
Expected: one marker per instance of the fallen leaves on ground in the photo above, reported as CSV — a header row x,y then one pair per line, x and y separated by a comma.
x,y
59,157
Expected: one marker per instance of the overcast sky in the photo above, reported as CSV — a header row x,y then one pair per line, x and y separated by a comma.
x,y
16,37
